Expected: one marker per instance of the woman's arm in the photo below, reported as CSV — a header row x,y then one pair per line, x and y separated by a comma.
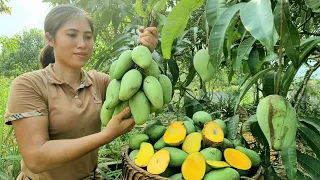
x,y
41,154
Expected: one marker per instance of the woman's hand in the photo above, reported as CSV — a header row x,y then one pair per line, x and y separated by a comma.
x,y
148,37
118,125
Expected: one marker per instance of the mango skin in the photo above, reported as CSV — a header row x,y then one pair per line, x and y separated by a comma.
x,y
105,114
156,132
176,176
202,64
153,69
133,155
124,63
224,173
212,154
177,156
277,120
159,144
223,126
142,56
139,107
200,118
112,94
130,84
153,90
112,67
136,139
253,156
189,126
166,88
120,107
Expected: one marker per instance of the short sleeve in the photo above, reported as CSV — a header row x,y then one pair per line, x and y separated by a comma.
x,y
102,81
25,100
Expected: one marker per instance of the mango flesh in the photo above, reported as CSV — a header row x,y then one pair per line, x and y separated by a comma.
x,y
212,154
237,159
112,94
253,156
130,84
200,118
112,67
144,155
224,173
152,70
177,156
105,114
124,63
277,120
153,90
136,140
212,134
142,56
140,107
175,133
194,167
166,88
202,64
192,143
217,164
159,162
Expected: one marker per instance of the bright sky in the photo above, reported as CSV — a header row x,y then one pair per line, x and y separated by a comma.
x,y
25,14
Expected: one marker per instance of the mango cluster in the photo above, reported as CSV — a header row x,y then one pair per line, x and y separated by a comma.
x,y
137,82
192,149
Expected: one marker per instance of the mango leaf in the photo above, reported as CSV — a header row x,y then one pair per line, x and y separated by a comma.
x,y
313,4
4,176
138,8
174,69
252,81
312,138
306,48
302,176
218,32
191,75
151,4
271,174
289,161
244,49
309,164
214,8
260,138
291,38
248,122
176,23
313,121
12,158
160,5
257,18
232,126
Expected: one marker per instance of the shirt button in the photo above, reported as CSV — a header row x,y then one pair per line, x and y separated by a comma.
x,y
76,97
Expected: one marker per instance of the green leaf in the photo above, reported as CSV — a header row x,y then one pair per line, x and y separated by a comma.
x,y
232,126
244,49
214,8
302,176
271,174
138,8
248,122
306,48
313,4
252,81
174,69
309,164
291,38
176,23
218,32
313,121
160,5
12,158
289,161
191,75
257,18
4,176
312,138
268,86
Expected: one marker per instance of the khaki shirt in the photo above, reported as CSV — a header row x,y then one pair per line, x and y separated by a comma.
x,y
71,114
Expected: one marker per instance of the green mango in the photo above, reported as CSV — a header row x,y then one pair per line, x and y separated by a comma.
x,y
130,84
136,139
253,156
200,118
202,65
224,173
120,107
142,56
189,127
223,126
177,156
112,67
105,114
278,122
124,63
153,90
160,144
133,155
140,107
112,94
212,154
152,70
166,88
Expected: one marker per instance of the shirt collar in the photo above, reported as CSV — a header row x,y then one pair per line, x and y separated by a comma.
x,y
53,78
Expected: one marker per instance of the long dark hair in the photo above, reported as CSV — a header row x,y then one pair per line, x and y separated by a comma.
x,y
53,21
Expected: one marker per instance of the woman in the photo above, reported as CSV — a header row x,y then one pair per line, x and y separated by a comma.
x,y
55,111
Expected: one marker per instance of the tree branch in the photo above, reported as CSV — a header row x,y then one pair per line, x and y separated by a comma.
x,y
309,33
311,15
278,89
303,86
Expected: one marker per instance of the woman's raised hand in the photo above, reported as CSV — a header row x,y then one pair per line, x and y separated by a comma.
x,y
148,37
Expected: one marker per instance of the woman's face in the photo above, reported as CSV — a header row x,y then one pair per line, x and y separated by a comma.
x,y
73,43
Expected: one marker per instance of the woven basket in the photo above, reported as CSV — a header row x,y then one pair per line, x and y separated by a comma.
x,y
130,171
